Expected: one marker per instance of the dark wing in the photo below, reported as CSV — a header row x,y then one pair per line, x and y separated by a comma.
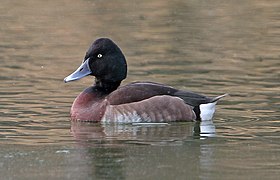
x,y
138,91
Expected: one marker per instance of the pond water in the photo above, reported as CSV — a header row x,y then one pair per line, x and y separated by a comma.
x,y
210,47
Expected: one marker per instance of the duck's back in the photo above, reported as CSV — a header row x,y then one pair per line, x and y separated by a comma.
x,y
139,91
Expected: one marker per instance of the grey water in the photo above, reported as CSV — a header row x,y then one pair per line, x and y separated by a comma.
x,y
210,47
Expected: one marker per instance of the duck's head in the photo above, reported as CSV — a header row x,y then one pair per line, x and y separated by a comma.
x,y
104,60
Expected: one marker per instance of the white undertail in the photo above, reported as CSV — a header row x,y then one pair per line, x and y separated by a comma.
x,y
207,110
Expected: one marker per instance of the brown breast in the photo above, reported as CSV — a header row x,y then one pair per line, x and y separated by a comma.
x,y
88,106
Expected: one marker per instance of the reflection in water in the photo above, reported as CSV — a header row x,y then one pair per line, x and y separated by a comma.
x,y
206,160
100,162
205,129
142,132
104,148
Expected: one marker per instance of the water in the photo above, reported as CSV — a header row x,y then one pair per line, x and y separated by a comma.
x,y
210,47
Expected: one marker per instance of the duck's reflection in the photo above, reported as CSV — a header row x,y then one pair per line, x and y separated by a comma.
x,y
204,129
142,131
127,150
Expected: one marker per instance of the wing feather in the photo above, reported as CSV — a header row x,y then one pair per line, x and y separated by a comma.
x,y
155,109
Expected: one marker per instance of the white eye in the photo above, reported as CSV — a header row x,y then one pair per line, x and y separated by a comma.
x,y
99,55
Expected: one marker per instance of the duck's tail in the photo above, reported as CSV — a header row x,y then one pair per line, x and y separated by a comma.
x,y
206,111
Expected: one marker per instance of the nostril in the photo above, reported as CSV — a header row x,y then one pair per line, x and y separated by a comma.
x,y
81,69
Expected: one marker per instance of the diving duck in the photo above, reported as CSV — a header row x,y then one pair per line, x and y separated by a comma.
x,y
107,101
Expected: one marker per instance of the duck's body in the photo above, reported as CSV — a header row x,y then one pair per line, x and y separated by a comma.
x,y
134,102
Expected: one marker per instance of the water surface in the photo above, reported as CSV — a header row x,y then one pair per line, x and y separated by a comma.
x,y
210,47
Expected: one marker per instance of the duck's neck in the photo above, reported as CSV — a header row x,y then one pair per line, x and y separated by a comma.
x,y
106,86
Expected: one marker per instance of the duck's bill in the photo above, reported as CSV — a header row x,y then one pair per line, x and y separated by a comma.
x,y
81,72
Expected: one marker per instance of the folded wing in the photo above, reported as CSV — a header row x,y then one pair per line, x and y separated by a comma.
x,y
155,109
139,91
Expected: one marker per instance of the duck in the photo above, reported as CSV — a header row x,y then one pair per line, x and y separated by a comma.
x,y
137,102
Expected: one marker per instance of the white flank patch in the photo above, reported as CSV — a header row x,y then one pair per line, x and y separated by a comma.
x,y
127,117
207,111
